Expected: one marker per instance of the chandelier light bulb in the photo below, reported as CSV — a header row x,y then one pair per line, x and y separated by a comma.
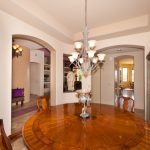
x,y
78,45
75,55
14,47
91,53
20,49
17,46
92,44
71,59
101,56
17,51
81,60
94,60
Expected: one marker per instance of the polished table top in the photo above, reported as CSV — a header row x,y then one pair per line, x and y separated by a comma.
x,y
61,128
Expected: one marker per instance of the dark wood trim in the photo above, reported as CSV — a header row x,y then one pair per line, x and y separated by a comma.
x,y
15,135
148,56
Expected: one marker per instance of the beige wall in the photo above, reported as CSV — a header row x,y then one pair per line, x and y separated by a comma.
x,y
20,72
107,80
35,79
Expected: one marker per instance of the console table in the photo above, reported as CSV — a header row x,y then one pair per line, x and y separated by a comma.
x,y
18,96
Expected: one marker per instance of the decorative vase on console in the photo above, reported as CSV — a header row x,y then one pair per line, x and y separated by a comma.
x,y
85,98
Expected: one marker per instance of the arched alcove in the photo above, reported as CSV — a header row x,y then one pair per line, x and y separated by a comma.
x,y
108,75
53,62
124,77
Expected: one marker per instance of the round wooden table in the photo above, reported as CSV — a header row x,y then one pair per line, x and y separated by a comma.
x,y
61,128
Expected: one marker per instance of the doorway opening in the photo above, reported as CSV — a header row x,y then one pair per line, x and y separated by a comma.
x,y
31,77
106,81
124,79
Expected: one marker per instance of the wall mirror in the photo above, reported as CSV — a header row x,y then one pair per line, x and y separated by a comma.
x,y
72,77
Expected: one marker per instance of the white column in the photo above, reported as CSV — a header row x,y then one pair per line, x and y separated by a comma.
x,y
5,77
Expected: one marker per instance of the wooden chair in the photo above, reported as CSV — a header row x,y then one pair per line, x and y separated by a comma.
x,y
41,103
10,142
126,103
5,141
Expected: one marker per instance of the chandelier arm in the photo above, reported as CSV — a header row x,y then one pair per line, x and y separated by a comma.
x,y
79,66
85,60
89,68
85,13
94,67
85,48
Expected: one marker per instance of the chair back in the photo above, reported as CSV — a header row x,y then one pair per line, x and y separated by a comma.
x,y
126,103
5,142
41,103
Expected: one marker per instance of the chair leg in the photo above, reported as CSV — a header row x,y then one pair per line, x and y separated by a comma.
x,y
21,103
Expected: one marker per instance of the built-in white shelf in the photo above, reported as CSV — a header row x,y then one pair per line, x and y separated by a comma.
x,y
47,68
46,82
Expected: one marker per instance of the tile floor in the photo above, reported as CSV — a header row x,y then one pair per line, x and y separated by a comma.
x,y
19,120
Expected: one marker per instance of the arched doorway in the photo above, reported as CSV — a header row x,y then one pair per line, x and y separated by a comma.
x,y
124,78
35,66
107,75
53,62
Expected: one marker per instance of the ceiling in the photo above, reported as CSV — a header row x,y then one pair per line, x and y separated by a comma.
x,y
70,13
66,17
100,12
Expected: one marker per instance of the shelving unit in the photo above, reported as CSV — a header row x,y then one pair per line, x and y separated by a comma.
x,y
46,76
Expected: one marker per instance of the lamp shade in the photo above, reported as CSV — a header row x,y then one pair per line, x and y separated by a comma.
x,y
20,49
91,53
75,55
92,44
71,59
78,45
101,56
81,60
94,60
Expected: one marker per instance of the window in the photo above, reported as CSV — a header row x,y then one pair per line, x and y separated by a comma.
x,y
132,75
125,74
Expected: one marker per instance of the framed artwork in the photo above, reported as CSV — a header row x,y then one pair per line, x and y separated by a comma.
x,y
72,77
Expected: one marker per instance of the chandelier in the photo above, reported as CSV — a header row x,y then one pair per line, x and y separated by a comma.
x,y
84,57
16,50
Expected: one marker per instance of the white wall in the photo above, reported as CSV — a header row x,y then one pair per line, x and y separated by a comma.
x,y
37,72
35,79
9,26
